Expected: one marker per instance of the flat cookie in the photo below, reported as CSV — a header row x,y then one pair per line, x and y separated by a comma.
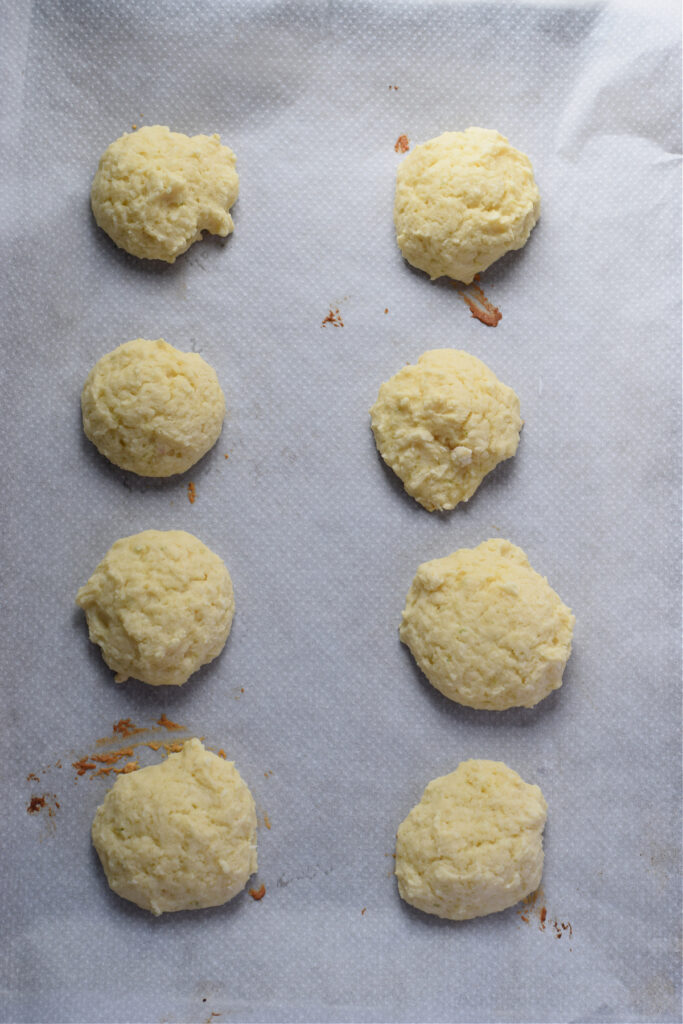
x,y
155,191
160,605
462,201
151,409
474,843
180,835
486,629
443,424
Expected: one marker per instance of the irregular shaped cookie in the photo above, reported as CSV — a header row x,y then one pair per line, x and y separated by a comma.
x,y
155,191
160,605
152,409
179,835
486,629
474,843
443,424
462,201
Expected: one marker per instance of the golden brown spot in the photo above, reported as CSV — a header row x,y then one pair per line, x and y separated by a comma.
x,y
191,493
480,307
401,145
334,318
258,894
168,724
124,727
113,756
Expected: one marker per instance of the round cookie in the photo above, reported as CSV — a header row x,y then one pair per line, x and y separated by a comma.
x,y
151,409
155,191
462,201
486,629
179,835
474,843
160,605
443,424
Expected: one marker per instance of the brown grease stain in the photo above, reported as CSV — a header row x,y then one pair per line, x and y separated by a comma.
x,y
534,903
47,800
124,727
480,307
168,724
334,318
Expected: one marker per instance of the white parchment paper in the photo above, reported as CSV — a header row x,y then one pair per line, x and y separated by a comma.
x,y
320,539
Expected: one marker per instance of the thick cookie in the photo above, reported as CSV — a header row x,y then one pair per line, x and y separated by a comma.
x,y
160,605
474,843
462,201
179,835
155,191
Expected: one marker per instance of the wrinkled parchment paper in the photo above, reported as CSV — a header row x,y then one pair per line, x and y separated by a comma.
x,y
314,698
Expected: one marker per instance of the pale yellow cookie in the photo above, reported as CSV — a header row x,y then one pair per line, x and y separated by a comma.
x,y
160,605
462,201
179,835
443,424
155,191
474,843
486,629
151,409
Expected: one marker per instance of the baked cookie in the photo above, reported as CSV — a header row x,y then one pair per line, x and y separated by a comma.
x,y
474,843
462,201
179,835
443,424
486,629
160,605
155,191
151,409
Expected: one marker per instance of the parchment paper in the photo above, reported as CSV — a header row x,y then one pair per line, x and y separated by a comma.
x,y
319,537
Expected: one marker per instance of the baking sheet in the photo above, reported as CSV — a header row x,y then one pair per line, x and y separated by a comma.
x,y
314,697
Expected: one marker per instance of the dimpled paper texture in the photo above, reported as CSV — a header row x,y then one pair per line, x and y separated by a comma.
x,y
320,539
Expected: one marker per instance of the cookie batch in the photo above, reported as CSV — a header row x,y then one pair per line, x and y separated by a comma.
x,y
485,628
